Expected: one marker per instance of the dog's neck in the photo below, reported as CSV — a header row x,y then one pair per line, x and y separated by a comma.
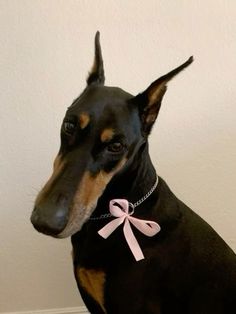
x,y
132,183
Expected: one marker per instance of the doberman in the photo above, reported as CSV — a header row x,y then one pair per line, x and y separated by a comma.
x,y
103,161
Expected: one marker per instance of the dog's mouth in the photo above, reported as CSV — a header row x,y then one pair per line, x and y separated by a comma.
x,y
75,222
68,217
64,219
63,228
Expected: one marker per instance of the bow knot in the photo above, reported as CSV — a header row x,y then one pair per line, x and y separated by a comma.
x,y
119,208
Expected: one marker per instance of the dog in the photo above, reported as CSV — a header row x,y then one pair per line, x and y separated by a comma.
x,y
137,249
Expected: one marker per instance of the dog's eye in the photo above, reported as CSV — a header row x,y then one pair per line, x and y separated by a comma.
x,y
69,127
115,147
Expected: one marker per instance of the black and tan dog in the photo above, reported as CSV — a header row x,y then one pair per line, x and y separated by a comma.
x,y
104,156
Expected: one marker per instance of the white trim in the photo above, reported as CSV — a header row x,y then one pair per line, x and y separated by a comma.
x,y
67,310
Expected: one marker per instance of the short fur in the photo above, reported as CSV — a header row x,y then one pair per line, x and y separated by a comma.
x,y
187,268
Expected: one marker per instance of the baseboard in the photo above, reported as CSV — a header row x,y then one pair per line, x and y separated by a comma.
x,y
68,310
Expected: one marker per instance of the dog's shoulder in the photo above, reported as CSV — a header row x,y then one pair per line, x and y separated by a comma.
x,y
201,241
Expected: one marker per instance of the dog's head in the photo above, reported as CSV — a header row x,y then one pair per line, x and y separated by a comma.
x,y
100,134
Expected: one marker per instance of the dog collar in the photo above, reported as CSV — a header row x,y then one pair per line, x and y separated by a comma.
x,y
122,211
131,205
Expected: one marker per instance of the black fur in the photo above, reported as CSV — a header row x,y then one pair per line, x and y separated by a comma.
x,y
188,268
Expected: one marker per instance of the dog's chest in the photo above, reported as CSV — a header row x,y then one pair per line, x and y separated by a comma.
x,y
93,282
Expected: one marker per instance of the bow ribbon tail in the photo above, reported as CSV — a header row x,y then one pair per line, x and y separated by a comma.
x,y
107,230
132,242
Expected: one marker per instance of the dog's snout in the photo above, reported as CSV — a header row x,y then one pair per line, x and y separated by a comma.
x,y
49,220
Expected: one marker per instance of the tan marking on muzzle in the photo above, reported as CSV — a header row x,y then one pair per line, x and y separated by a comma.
x,y
107,135
93,281
84,120
58,167
86,197
91,187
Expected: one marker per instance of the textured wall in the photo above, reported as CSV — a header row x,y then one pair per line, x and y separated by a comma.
x,y
46,52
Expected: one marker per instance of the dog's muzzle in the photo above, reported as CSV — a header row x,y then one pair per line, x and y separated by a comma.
x,y
49,220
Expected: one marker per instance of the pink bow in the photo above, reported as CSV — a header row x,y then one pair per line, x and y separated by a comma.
x,y
120,208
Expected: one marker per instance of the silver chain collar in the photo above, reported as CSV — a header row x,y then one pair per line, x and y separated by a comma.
x,y
132,205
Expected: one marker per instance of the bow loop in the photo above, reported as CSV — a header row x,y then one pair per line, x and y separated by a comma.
x,y
147,227
120,208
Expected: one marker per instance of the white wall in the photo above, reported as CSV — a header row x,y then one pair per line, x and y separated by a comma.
x,y
46,50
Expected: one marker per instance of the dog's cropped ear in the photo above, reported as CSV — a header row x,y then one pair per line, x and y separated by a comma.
x,y
149,102
96,75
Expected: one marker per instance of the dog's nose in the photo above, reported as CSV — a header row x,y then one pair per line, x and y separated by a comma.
x,y
49,220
